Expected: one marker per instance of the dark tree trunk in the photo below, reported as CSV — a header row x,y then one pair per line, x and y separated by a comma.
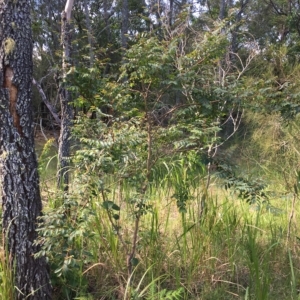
x,y
171,7
66,109
20,195
222,9
124,29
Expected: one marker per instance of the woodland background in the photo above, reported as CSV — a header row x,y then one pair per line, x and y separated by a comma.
x,y
184,162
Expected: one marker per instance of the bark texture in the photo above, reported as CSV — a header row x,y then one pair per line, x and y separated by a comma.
x,y
66,109
20,195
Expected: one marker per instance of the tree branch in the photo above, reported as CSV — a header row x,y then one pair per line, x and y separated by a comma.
x,y
68,9
47,103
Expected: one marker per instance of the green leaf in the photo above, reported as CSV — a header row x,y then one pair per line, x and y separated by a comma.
x,y
115,207
134,261
116,217
108,204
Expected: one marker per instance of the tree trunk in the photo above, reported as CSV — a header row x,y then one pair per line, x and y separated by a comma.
x,y
124,29
222,9
65,98
20,195
171,7
89,32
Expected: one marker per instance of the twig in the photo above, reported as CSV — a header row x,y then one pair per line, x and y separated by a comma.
x,y
130,256
291,217
41,127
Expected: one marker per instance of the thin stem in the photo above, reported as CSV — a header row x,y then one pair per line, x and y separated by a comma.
x,y
291,218
114,225
134,243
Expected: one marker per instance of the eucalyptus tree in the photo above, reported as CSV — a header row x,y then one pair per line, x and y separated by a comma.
x,y
20,194
65,99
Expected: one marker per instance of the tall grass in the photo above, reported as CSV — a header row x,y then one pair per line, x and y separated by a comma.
x,y
232,253
7,287
7,273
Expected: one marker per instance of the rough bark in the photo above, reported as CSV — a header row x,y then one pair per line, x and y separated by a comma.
x,y
66,109
20,195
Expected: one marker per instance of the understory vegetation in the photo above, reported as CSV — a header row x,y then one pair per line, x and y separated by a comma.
x,y
112,238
